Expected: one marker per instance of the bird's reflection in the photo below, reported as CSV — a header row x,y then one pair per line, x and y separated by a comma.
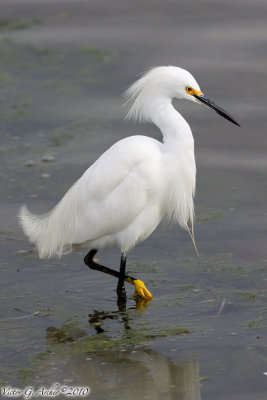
x,y
139,374
140,303
122,369
119,363
96,318
69,332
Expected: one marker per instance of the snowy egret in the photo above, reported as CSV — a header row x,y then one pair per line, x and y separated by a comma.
x,y
123,196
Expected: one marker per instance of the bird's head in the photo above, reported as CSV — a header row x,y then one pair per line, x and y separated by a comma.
x,y
190,90
167,82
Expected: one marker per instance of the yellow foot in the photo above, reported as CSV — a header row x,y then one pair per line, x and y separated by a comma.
x,y
141,290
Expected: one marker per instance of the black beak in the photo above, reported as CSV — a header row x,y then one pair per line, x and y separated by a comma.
x,y
214,106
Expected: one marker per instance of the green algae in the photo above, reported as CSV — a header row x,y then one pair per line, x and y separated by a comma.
x,y
5,79
79,343
253,323
68,333
204,378
96,54
11,112
7,25
205,214
249,295
101,342
25,375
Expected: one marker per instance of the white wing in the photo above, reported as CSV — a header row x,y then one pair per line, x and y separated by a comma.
x,y
117,189
120,190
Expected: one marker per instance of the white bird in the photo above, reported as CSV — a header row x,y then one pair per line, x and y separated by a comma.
x,y
124,195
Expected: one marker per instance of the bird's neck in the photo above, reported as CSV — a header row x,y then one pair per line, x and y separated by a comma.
x,y
178,161
174,128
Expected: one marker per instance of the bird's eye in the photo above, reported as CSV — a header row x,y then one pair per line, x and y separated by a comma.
x,y
189,89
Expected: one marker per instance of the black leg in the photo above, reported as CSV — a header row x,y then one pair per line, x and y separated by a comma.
x,y
140,288
121,292
88,259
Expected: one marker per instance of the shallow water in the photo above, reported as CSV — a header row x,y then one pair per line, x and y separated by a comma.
x,y
64,65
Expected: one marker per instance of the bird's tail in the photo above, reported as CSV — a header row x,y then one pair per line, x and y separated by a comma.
x,y
46,231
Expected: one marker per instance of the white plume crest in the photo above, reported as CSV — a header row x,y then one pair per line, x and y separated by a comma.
x,y
157,82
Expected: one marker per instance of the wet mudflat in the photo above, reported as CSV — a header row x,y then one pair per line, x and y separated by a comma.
x,y
63,67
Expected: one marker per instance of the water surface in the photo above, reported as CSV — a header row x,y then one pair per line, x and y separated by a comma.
x,y
64,65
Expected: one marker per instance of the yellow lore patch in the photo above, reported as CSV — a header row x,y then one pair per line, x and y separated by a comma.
x,y
192,91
